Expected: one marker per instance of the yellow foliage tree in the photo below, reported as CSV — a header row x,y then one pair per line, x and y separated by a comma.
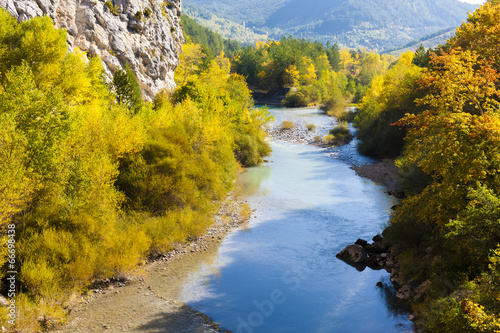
x,y
481,33
348,63
460,81
189,61
292,76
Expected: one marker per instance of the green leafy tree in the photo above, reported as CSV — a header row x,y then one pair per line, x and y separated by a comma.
x,y
127,88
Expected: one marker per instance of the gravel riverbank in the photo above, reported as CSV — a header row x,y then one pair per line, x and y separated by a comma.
x,y
146,300
383,172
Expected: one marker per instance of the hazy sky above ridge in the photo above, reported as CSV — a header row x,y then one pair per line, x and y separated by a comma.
x,y
474,1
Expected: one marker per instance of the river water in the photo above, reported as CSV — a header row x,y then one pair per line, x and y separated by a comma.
x,y
279,273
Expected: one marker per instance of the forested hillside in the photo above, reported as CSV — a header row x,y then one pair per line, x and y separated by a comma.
x,y
213,44
225,27
447,230
375,24
240,11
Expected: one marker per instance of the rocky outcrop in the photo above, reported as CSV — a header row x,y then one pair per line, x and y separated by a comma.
x,y
146,34
353,254
375,255
378,255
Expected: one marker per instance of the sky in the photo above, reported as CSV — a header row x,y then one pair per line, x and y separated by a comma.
x,y
474,1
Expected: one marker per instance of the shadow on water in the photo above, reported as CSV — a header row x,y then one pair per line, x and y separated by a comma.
x,y
396,306
184,320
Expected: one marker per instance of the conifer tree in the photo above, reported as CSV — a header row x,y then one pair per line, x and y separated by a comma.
x,y
127,89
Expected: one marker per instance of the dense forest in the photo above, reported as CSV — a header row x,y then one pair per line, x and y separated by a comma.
x,y
317,74
94,179
446,104
213,44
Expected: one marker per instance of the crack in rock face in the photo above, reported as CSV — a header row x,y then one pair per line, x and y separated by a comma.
x,y
146,34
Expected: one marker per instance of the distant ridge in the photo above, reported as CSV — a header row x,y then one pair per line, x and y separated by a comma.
x,y
429,41
375,24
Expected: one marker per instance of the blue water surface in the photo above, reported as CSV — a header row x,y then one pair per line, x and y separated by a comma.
x,y
280,274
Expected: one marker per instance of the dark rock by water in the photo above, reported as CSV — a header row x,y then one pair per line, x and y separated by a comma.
x,y
376,248
353,254
361,242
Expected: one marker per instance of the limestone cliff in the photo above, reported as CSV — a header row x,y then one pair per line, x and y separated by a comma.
x,y
146,34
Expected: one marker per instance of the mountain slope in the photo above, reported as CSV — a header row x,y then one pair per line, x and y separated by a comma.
x,y
376,24
240,11
227,28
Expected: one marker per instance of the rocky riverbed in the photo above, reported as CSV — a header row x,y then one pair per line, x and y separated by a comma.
x,y
297,134
381,172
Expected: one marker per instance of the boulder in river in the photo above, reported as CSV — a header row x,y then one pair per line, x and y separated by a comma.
x,y
375,261
376,248
353,253
361,242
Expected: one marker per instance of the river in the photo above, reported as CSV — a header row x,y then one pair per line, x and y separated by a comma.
x,y
279,273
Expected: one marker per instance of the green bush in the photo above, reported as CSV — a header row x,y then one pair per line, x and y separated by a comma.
x,y
347,116
249,149
311,127
127,88
328,139
287,125
296,99
114,9
377,136
334,105
339,135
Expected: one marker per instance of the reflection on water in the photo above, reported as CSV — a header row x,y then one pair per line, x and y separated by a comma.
x,y
249,184
281,274
395,306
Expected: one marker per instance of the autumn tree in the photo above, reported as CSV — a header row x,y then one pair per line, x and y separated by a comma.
x,y
292,76
460,81
481,33
190,61
389,97
454,140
